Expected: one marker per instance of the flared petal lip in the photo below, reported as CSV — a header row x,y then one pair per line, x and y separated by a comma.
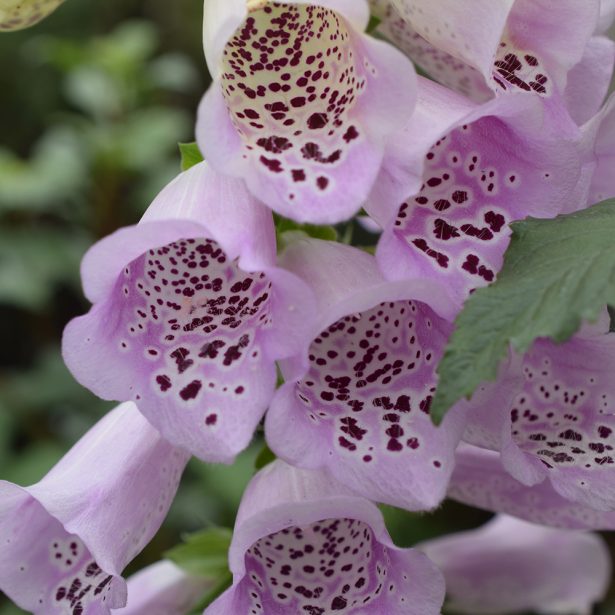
x,y
105,563
498,16
222,18
291,514
105,261
197,203
364,299
517,104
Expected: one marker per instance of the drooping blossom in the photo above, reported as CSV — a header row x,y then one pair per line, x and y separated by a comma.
x,y
511,566
164,589
190,313
554,421
19,14
356,399
303,105
483,48
304,544
66,539
480,480
486,166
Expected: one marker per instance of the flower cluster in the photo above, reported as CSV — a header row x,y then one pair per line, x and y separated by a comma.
x,y
204,324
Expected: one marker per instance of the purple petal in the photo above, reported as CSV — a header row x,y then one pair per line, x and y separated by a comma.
x,y
447,69
541,45
221,18
67,538
304,120
360,408
164,589
589,80
599,132
510,158
562,417
607,15
510,566
555,418
437,111
188,318
515,46
470,31
287,519
480,480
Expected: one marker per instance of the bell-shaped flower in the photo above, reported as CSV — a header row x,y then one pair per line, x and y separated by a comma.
x,y
484,48
479,479
66,539
304,544
303,104
164,589
555,420
190,313
485,166
511,566
20,14
356,399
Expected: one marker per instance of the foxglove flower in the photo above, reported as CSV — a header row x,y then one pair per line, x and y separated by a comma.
x,y
480,480
19,14
486,165
480,48
303,104
304,544
190,313
356,400
164,589
559,424
511,566
66,539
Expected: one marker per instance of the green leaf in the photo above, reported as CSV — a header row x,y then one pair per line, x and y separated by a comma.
x,y
374,22
203,553
224,582
265,457
556,273
287,229
191,155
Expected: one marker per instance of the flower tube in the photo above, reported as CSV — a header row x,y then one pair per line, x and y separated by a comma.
x,y
67,538
303,543
190,313
303,105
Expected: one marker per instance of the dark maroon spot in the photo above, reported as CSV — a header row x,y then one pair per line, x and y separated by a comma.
x,y
495,221
444,231
338,603
350,134
164,382
298,175
440,258
298,101
460,196
317,120
273,165
441,204
191,390
274,144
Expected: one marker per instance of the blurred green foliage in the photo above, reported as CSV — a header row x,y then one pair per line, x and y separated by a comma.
x,y
94,101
